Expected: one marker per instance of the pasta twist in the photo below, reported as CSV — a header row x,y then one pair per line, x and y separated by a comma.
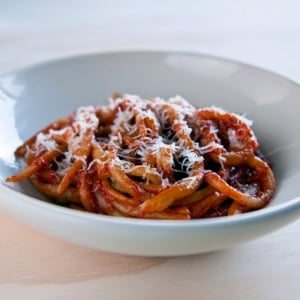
x,y
149,159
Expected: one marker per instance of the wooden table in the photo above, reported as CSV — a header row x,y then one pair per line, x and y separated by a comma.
x,y
265,33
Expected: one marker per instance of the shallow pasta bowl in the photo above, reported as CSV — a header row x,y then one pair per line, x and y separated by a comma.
x,y
33,97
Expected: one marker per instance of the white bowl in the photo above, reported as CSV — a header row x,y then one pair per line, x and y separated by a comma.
x,y
33,97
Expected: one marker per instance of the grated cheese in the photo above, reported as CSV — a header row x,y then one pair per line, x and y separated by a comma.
x,y
130,109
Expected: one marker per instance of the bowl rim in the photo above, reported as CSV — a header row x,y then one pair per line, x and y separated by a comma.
x,y
115,52
266,212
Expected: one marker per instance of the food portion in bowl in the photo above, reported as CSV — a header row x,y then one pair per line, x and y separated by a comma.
x,y
153,159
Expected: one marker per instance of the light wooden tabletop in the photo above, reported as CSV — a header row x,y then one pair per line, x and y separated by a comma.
x,y
265,33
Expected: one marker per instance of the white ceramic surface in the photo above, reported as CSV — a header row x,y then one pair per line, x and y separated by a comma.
x,y
33,97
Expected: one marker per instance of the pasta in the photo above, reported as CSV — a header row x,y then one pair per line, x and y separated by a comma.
x,y
152,159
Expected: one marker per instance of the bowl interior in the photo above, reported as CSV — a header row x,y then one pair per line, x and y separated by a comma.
x,y
33,97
